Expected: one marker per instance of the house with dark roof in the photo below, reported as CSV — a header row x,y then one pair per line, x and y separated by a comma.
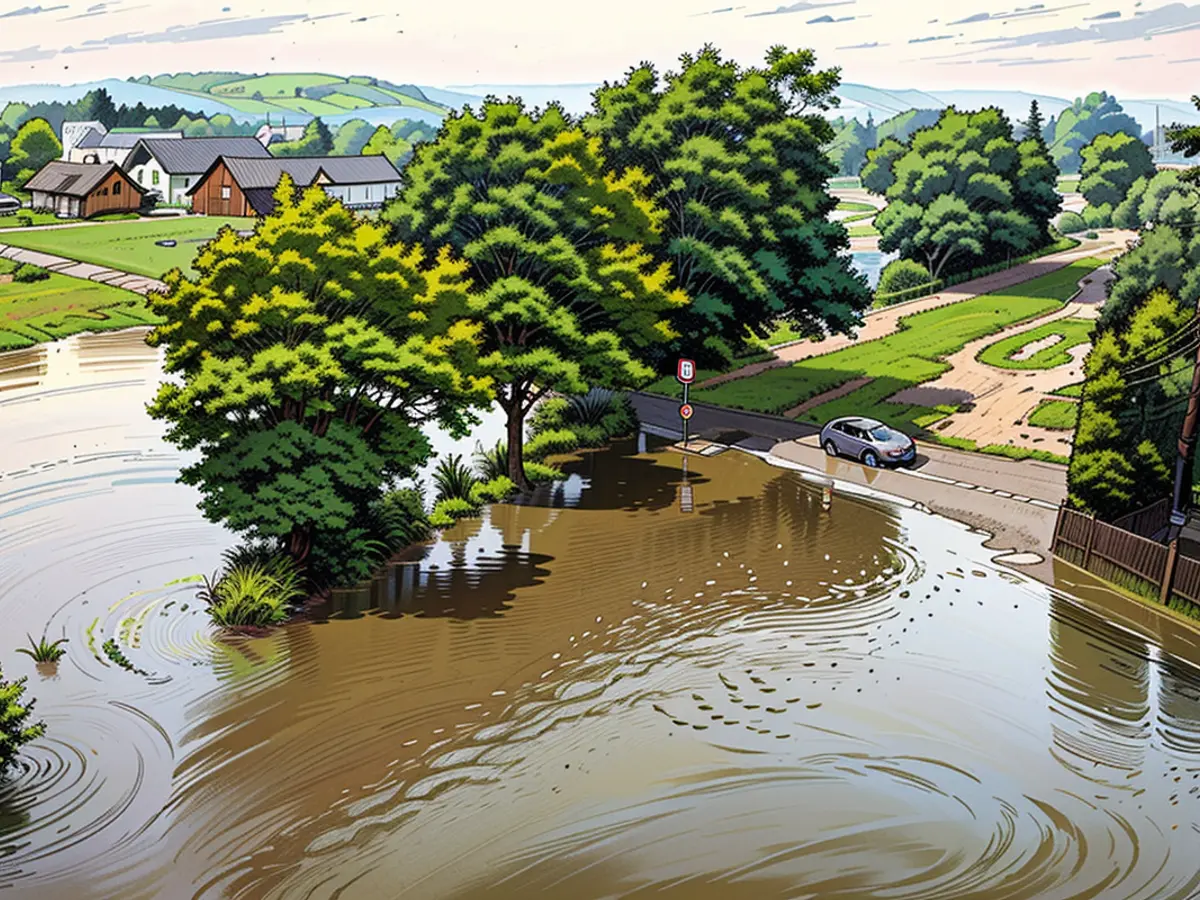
x,y
92,142
173,166
81,190
237,186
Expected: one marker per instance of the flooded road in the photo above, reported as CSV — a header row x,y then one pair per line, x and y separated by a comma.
x,y
598,694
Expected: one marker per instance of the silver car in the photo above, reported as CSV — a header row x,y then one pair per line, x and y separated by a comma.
x,y
870,442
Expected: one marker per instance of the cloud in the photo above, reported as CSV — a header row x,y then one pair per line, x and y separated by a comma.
x,y
211,30
717,12
1103,16
978,17
1136,56
102,9
1021,12
871,46
30,11
1177,62
1171,19
926,40
1041,62
798,7
26,54
824,20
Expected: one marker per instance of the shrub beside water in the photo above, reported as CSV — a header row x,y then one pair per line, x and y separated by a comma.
x,y
902,275
252,592
15,728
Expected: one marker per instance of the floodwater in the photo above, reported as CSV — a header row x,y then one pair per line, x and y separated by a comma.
x,y
596,695
871,263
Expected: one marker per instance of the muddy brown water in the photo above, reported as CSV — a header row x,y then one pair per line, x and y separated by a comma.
x,y
592,695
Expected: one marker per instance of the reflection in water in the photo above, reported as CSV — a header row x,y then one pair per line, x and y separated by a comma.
x,y
597,693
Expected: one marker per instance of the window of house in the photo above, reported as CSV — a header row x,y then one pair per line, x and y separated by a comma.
x,y
187,182
117,189
226,193
154,177
105,192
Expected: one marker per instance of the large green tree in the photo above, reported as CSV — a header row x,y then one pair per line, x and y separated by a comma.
x,y
1035,190
734,155
1166,197
1077,125
305,359
34,145
954,194
1111,165
566,288
316,141
1166,256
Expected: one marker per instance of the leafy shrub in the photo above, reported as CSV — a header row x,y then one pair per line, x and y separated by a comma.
x,y
24,221
113,651
15,733
44,651
549,415
495,490
1091,235
589,408
491,462
591,435
255,592
27,274
402,518
902,275
1071,223
448,511
547,443
540,472
453,478
1098,216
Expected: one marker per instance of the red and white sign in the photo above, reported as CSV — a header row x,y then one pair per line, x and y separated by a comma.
x,y
685,372
685,411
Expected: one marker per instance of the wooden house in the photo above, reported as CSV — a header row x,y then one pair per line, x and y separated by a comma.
x,y
82,190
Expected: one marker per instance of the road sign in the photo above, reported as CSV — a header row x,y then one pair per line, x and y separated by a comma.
x,y
685,411
685,371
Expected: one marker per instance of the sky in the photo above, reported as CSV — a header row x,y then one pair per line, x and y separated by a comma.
x,y
1131,48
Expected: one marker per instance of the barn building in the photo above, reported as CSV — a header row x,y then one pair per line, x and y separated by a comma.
x,y
173,166
82,190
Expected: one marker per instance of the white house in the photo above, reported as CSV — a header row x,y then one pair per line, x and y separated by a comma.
x,y
173,166
92,142
273,134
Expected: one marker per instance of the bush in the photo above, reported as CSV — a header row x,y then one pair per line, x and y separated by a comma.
x,y
27,274
491,462
15,733
589,408
540,472
453,478
448,511
1071,223
495,490
252,591
1098,216
402,518
44,651
902,275
548,443
1091,235
549,415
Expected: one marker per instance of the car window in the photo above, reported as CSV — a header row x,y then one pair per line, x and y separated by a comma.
x,y
883,433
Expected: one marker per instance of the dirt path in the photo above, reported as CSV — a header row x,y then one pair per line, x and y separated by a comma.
x,y
997,402
60,265
882,322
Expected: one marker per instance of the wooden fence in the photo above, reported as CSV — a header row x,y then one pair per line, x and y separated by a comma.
x,y
1144,566
1147,522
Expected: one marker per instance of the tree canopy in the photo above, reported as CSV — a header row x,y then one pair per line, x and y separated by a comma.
x,y
1111,165
1185,139
1077,125
1166,256
34,145
962,192
734,155
316,141
567,291
308,356
1164,198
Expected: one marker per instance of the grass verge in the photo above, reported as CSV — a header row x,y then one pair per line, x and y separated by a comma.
x,y
1008,451
1058,415
130,246
1071,333
1071,390
911,356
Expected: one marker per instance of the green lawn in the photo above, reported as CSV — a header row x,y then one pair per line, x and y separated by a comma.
x,y
859,231
1069,184
912,356
130,246
1071,390
1072,332
855,206
59,306
1061,415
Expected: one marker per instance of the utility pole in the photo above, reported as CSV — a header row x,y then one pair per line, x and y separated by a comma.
x,y
1186,454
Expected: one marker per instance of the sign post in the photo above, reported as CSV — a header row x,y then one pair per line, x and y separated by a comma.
x,y
685,374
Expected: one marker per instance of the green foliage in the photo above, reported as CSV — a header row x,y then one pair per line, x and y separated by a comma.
x,y
1072,332
549,443
307,357
490,462
539,473
1164,198
1076,127
15,729
735,157
1166,257
316,141
1071,223
902,275
453,478
1057,415
402,519
569,294
44,651
962,193
28,274
448,511
34,145
352,137
255,593
113,651
1111,164
1097,216
1186,139
495,490
384,142
1119,459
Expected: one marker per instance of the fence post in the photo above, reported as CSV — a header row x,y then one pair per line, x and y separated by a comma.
x,y
1169,573
1057,528
1091,539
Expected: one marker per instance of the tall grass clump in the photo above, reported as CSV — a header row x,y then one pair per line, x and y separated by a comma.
x,y
453,478
254,590
15,728
490,462
44,651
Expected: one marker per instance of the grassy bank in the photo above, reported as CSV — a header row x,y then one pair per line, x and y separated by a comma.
x,y
911,356
1071,333
1057,415
57,306
129,246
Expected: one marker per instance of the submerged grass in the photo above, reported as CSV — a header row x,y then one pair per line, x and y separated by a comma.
x,y
44,651
255,592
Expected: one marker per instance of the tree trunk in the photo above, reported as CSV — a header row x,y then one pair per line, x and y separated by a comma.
x,y
516,439
299,544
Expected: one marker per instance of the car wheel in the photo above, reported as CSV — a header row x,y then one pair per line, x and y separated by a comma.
x,y
870,459
831,448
